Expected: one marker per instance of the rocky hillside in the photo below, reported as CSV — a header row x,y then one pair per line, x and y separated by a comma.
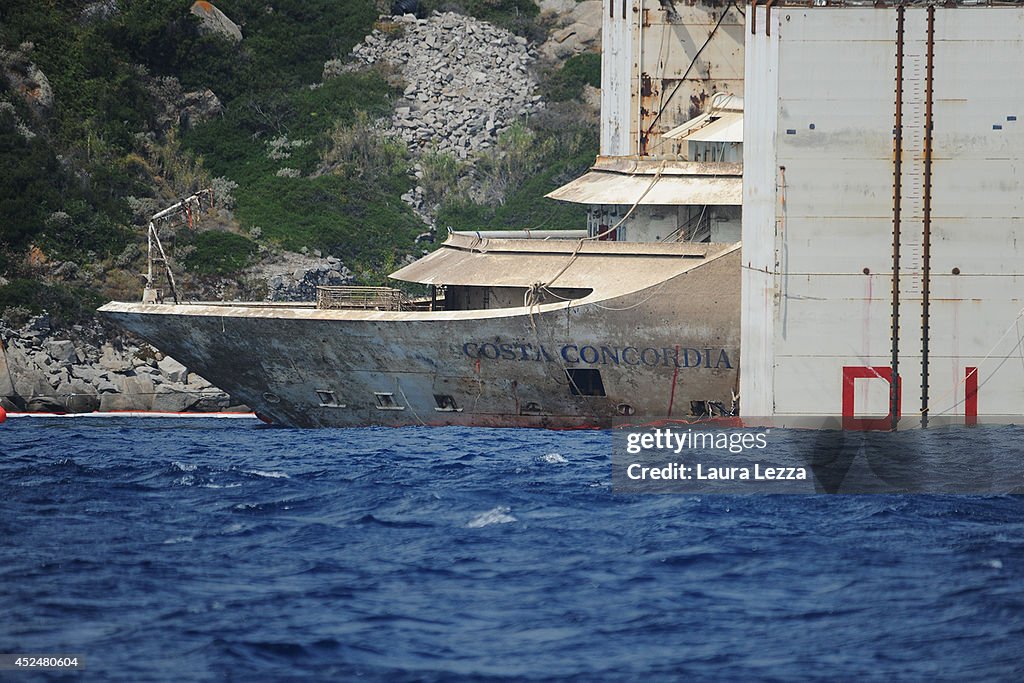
x,y
338,138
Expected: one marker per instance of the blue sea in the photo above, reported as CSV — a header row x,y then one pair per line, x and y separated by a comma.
x,y
208,549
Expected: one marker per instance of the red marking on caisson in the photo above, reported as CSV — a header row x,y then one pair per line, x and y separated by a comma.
x,y
675,376
851,373
3,415
971,396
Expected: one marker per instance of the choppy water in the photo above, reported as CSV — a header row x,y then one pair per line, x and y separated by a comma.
x,y
199,550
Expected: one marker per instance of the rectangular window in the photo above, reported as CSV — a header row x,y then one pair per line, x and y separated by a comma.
x,y
386,401
585,382
328,399
446,404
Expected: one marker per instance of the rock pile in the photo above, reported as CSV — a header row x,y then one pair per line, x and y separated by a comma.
x,y
294,276
467,80
39,371
301,284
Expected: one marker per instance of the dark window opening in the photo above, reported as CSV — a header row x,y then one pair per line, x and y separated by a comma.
x,y
386,401
328,399
445,403
530,408
585,382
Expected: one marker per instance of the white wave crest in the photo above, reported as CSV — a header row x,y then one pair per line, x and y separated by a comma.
x,y
498,515
184,466
269,475
179,539
554,459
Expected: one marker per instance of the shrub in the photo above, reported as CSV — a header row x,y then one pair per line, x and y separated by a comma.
x,y
358,149
441,174
66,305
219,253
351,218
567,83
527,165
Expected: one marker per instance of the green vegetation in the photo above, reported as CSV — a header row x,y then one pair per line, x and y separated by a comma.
x,y
310,169
41,204
526,165
219,253
64,304
106,78
353,210
567,83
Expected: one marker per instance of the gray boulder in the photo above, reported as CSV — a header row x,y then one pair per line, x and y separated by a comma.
x,y
99,11
141,389
82,398
118,402
198,107
44,404
173,398
216,22
113,361
26,79
61,351
173,370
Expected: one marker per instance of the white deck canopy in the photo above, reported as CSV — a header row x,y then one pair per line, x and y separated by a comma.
x,y
632,180
608,268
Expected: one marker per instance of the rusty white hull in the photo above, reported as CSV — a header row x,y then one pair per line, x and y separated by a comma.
x,y
658,349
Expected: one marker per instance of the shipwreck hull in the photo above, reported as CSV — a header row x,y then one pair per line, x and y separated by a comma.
x,y
661,350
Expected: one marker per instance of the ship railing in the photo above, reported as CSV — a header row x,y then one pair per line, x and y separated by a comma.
x,y
351,296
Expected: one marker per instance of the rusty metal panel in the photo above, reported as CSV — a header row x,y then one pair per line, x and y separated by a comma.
x,y
833,188
830,184
978,207
812,245
687,53
617,61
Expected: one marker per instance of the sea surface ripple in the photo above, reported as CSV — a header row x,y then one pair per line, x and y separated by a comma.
x,y
216,549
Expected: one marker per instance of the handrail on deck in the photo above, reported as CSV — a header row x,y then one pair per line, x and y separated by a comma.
x,y
352,296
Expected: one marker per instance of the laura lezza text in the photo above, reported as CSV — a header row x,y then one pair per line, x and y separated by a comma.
x,y
677,471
